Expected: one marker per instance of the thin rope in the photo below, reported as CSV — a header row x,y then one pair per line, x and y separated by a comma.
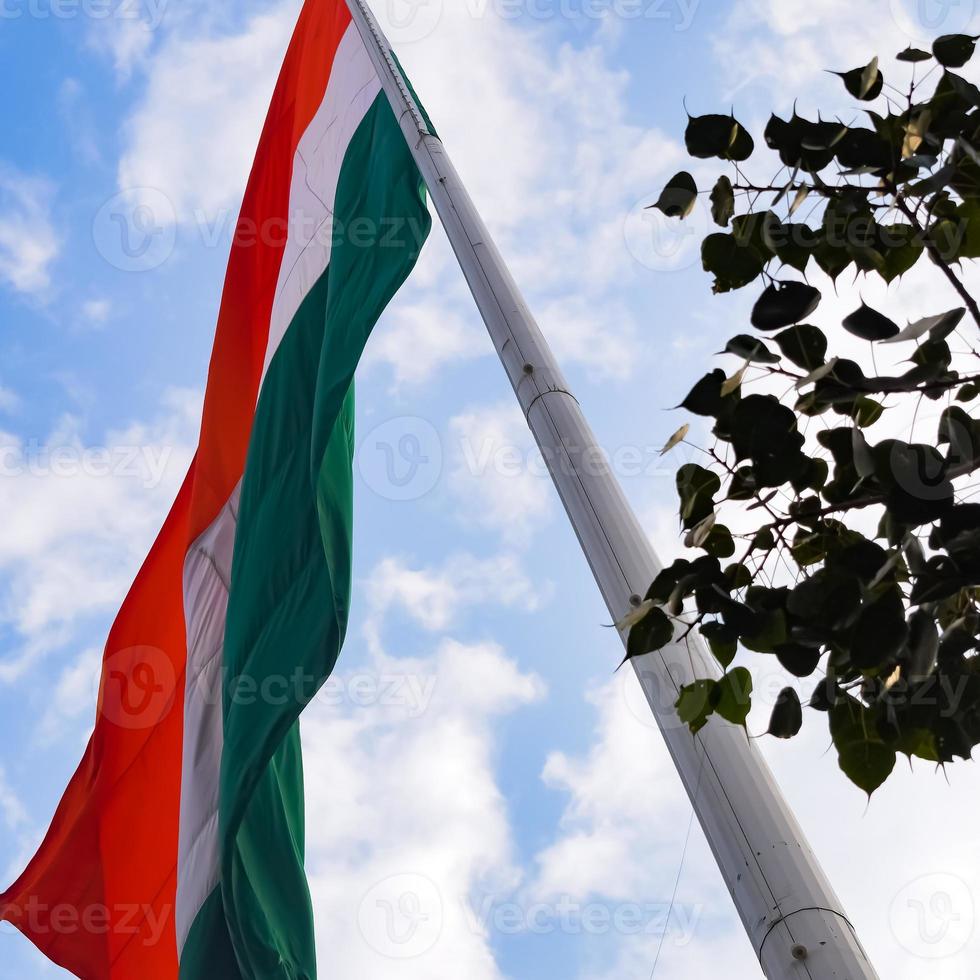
x,y
680,871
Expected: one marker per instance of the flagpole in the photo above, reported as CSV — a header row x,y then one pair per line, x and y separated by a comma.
x,y
793,918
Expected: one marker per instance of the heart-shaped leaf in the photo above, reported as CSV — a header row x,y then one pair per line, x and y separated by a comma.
x,y
804,345
864,83
787,715
651,633
678,198
869,324
733,263
954,50
718,136
733,696
783,304
694,706
867,764
751,349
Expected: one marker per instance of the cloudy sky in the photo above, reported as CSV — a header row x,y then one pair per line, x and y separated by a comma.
x,y
487,798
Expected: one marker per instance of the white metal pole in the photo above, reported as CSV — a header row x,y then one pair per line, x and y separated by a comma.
x,y
788,907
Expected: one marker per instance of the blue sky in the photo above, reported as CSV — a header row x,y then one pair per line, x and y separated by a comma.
x,y
476,748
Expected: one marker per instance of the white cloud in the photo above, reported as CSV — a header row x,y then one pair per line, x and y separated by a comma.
x,y
619,847
97,311
9,399
406,819
552,164
73,699
551,161
784,46
421,336
622,788
76,118
193,134
436,598
11,809
497,473
625,820
79,513
29,243
602,338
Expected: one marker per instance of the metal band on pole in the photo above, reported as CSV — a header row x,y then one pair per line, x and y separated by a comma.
x,y
788,907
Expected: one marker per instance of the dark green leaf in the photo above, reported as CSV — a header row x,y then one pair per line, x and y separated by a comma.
x,y
880,633
794,245
705,397
828,599
962,434
799,660
940,580
723,202
913,55
665,583
733,265
783,304
864,83
771,635
832,258
678,198
719,542
804,345
787,715
694,706
733,696
869,324
866,411
723,642
696,487
651,633
758,230
718,136
867,764
750,348
901,249
954,50
923,645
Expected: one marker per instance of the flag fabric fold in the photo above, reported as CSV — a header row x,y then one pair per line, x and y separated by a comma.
x,y
177,849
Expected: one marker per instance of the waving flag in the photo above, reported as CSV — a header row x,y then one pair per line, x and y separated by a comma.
x,y
180,838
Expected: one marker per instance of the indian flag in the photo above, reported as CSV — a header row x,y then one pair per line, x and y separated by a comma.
x,y
177,849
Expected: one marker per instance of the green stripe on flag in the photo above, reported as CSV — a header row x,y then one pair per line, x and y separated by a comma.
x,y
291,576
